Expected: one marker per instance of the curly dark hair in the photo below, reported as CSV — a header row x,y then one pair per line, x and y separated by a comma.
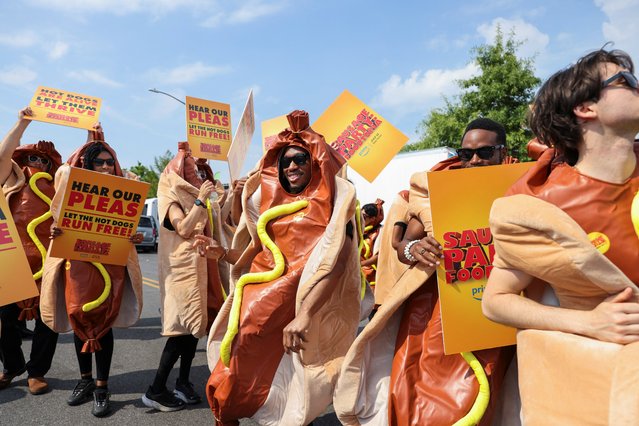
x,y
551,115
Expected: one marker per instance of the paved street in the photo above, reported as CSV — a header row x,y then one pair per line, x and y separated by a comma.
x,y
135,359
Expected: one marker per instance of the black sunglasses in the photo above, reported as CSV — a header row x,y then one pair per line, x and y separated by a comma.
x,y
35,158
485,152
300,159
98,162
629,80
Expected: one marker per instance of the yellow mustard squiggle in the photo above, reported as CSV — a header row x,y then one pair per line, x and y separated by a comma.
x,y
40,219
257,277
105,293
360,234
634,213
210,213
478,409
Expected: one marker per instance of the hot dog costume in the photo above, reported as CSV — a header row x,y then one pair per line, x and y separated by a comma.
x,y
257,379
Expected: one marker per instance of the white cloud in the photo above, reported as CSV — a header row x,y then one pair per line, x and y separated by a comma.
x,y
58,50
422,90
186,74
621,26
93,77
249,11
118,7
21,40
534,41
17,76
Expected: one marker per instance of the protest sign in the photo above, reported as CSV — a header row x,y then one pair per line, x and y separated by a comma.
x,y
365,139
271,128
460,213
98,215
17,281
208,128
65,108
242,140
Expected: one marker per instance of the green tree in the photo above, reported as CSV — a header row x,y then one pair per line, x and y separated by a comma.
x,y
502,92
151,174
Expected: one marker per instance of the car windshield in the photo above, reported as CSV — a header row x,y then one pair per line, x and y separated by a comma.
x,y
145,222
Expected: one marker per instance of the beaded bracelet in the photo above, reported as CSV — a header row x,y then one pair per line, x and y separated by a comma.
x,y
407,253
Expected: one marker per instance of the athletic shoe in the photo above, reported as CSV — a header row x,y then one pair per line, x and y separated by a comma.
x,y
82,392
101,405
185,392
163,401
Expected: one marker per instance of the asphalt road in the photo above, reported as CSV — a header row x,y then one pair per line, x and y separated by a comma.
x,y
135,359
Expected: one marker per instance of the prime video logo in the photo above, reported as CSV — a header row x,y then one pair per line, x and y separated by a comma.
x,y
478,292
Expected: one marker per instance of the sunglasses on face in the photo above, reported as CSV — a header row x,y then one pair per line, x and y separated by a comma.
x,y
299,159
98,162
628,80
484,153
37,159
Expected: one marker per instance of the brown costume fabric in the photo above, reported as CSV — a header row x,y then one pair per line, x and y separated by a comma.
x,y
191,286
396,372
25,206
370,236
80,282
389,268
257,351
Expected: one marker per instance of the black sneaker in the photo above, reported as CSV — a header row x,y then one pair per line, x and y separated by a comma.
x,y
163,401
82,392
186,393
101,405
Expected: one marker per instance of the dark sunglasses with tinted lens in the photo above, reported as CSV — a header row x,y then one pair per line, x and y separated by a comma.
x,y
485,152
42,160
629,80
98,162
300,159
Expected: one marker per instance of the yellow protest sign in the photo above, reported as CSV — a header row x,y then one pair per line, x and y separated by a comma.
x,y
98,215
208,128
65,108
460,205
359,134
271,128
16,281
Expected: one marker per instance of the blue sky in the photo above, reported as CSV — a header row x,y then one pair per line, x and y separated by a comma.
x,y
398,57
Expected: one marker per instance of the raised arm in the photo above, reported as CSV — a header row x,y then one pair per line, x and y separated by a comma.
x,y
11,141
185,225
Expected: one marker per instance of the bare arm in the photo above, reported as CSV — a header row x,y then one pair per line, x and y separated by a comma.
x,y
426,250
185,225
236,207
614,320
295,331
207,246
11,141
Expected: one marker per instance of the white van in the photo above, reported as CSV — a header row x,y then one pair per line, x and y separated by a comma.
x,y
151,209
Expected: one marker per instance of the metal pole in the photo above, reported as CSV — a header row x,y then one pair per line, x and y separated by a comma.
x,y
154,90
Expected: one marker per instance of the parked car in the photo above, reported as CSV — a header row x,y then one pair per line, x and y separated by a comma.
x,y
149,230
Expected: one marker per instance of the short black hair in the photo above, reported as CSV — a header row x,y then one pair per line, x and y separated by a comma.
x,y
483,123
370,210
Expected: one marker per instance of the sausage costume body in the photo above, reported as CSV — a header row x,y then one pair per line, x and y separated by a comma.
x,y
26,206
190,285
260,380
68,285
396,372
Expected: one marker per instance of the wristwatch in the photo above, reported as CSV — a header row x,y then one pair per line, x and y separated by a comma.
x,y
199,202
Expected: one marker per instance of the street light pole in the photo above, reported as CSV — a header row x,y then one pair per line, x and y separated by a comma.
x,y
154,90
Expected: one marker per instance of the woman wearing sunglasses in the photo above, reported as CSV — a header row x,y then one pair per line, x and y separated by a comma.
x,y
72,283
23,168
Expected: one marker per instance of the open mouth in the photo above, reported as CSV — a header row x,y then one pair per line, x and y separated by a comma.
x,y
294,176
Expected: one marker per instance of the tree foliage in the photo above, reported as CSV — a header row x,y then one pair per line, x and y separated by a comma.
x,y
502,92
151,174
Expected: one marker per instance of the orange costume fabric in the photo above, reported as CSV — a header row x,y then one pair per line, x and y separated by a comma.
x,y
371,232
25,206
400,354
260,377
74,283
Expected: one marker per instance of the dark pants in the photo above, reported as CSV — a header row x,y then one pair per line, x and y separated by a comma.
x,y
42,345
183,347
102,357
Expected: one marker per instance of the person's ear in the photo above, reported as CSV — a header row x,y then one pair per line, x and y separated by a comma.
x,y
585,111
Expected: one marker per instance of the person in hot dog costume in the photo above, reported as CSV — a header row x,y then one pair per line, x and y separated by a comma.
x,y
396,372
275,348
26,173
191,286
373,215
69,287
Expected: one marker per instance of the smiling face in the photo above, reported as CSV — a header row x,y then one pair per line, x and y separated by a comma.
x,y
481,148
295,167
104,163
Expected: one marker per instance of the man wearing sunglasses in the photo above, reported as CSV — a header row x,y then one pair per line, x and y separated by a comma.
x,y
569,225
20,168
293,328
